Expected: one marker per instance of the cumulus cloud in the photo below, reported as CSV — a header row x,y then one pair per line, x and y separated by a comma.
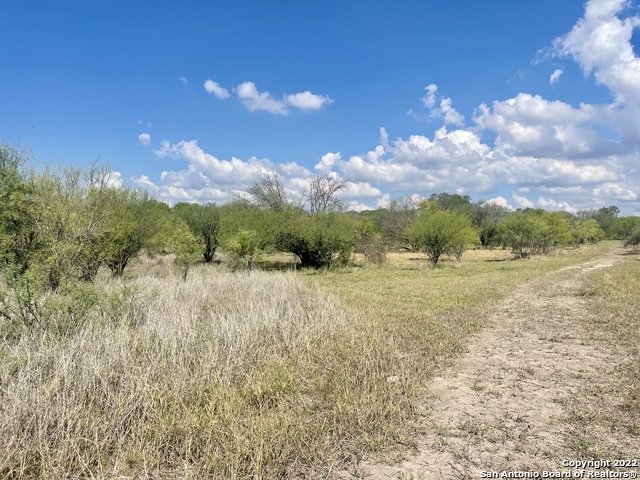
x,y
615,191
113,180
500,201
254,100
327,161
145,139
359,191
307,101
214,88
145,182
522,202
184,80
429,100
531,125
357,207
600,42
445,110
209,178
555,76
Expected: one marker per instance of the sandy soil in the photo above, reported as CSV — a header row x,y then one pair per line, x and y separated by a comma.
x,y
504,405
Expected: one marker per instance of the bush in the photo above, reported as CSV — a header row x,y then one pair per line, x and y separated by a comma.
x,y
436,232
370,243
633,239
524,233
204,223
244,248
586,231
319,241
134,221
186,246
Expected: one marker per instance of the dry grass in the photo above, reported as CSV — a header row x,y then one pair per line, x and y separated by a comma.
x,y
230,375
225,376
606,415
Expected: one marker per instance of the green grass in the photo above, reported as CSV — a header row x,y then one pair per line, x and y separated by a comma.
x,y
236,375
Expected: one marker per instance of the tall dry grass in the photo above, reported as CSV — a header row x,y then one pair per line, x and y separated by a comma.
x,y
224,375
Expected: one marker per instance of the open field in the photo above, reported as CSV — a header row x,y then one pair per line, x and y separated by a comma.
x,y
262,375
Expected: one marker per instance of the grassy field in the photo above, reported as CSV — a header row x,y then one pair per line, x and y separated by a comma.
x,y
236,375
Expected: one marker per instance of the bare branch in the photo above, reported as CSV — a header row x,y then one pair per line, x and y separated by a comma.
x,y
269,192
323,189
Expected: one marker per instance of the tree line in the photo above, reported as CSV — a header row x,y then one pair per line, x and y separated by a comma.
x,y
64,225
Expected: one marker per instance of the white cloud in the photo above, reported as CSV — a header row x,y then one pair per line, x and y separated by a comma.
x,y
359,190
500,201
294,170
214,88
253,100
164,150
449,115
327,161
145,182
357,207
600,42
307,101
184,80
429,100
145,139
112,180
522,202
551,204
530,125
208,178
555,76
615,191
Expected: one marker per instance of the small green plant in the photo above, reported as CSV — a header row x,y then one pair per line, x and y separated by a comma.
x,y
244,248
186,247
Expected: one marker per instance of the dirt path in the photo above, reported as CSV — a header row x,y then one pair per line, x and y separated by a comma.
x,y
504,405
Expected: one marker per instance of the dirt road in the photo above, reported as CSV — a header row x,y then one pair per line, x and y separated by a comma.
x,y
507,403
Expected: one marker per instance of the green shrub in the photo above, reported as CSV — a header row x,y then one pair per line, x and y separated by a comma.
x,y
524,233
436,232
244,248
319,241
204,223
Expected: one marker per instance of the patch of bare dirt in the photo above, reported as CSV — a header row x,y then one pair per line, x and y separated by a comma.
x,y
505,405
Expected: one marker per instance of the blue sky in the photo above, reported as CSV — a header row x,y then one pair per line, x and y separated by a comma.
x,y
524,103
